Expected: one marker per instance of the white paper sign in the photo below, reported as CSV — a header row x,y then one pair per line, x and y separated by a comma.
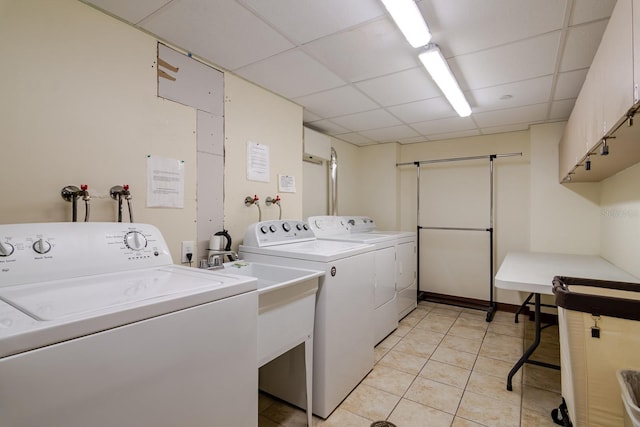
x,y
286,184
165,182
257,162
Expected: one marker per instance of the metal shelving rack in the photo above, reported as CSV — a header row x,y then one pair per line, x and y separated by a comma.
x,y
490,229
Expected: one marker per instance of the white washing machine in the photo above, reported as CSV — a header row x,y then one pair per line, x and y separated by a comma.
x,y
406,261
343,332
384,250
99,328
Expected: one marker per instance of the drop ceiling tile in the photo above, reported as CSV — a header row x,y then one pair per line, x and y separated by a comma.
x,y
453,135
561,110
390,134
291,74
506,128
309,117
527,114
306,20
399,88
415,140
569,84
366,120
440,126
518,61
336,102
591,10
429,109
356,139
532,91
581,45
328,127
130,11
365,52
220,30
465,26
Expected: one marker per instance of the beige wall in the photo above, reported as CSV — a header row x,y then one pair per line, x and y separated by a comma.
x,y
80,106
256,115
620,220
564,218
379,175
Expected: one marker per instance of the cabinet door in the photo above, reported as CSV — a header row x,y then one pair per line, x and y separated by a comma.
x,y
580,129
607,92
636,50
616,67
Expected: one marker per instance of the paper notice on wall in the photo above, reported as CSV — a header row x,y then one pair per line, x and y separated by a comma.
x,y
286,184
165,182
257,162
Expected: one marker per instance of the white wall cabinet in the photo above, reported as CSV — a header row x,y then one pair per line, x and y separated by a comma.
x,y
636,50
607,96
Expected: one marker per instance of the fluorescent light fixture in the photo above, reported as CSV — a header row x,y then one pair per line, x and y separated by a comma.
x,y
437,66
409,19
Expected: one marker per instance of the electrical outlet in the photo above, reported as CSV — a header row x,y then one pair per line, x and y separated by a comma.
x,y
187,248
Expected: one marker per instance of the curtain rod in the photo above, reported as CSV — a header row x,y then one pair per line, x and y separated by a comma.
x,y
458,159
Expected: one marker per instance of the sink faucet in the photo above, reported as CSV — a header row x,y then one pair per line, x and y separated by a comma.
x,y
216,259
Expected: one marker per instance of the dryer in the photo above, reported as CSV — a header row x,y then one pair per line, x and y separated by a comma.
x,y
338,228
343,336
406,260
99,328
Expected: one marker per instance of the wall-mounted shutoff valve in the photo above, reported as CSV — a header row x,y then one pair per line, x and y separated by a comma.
x,y
271,201
71,193
248,201
120,192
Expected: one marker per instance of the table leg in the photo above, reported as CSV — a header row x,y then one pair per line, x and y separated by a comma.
x,y
525,357
524,304
531,348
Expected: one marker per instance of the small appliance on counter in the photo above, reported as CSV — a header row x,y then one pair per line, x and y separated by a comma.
x,y
219,249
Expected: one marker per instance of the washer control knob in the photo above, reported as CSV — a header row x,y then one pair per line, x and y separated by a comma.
x,y
135,240
305,226
299,226
6,249
273,228
264,229
286,227
41,246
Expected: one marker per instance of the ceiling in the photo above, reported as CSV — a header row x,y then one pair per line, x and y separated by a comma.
x,y
519,62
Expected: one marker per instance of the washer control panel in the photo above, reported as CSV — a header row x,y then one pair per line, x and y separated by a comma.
x,y
267,233
50,251
328,225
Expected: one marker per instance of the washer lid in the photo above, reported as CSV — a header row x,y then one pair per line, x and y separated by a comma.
x,y
46,313
314,250
369,238
60,299
12,319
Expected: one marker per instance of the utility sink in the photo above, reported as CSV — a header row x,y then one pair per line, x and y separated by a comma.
x,y
286,307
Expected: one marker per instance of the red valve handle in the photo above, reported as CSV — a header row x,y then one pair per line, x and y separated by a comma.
x,y
84,187
125,187
277,198
255,198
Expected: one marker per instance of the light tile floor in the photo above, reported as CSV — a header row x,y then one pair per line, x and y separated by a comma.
x,y
446,366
